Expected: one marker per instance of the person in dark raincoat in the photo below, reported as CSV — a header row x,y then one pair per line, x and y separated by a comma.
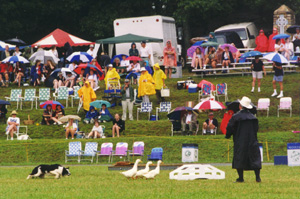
x,y
244,126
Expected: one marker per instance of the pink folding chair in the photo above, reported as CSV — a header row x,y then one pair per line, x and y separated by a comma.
x,y
285,104
263,104
106,151
121,150
137,149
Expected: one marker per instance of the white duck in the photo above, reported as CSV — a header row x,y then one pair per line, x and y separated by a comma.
x,y
131,173
142,172
154,172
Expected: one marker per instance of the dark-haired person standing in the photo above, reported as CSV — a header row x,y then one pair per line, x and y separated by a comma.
x,y
243,126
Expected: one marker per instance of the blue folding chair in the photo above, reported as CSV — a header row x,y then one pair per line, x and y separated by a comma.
x,y
156,154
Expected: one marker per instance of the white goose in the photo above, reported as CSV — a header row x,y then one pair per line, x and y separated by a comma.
x,y
154,172
131,173
142,172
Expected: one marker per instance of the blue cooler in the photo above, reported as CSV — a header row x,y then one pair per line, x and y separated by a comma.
x,y
193,88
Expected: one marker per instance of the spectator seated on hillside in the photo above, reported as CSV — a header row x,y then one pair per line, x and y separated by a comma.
x,y
118,125
58,81
134,71
111,75
19,73
58,113
104,114
70,80
188,122
48,116
80,79
116,64
93,79
210,124
71,128
91,115
97,131
3,111
124,63
4,74
36,73
13,123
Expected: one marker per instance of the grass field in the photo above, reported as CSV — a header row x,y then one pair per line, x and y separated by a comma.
x,y
97,182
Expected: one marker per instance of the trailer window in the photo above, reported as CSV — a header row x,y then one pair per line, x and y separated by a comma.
x,y
241,32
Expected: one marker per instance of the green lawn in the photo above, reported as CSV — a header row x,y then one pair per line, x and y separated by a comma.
x,y
48,142
98,182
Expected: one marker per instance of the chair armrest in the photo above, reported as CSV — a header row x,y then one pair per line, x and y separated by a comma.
x,y
129,151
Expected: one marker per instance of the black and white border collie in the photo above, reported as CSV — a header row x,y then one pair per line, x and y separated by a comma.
x,y
54,169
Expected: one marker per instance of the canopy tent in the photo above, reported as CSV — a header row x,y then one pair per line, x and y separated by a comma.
x,y
127,38
59,37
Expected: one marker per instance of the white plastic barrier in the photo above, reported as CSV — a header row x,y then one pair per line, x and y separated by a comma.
x,y
196,171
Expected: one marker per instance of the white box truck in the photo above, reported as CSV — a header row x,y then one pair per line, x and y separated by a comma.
x,y
150,26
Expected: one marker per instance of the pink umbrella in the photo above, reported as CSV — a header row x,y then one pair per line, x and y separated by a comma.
x,y
210,105
134,58
232,48
192,49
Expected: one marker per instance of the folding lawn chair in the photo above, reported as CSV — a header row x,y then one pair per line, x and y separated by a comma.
x,y
206,91
156,154
89,151
263,104
21,132
121,150
15,96
137,149
44,95
285,104
74,151
62,94
221,90
106,151
75,95
29,96
146,107
163,107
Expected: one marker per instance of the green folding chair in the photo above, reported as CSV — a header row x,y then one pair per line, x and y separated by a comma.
x,y
44,95
15,96
29,96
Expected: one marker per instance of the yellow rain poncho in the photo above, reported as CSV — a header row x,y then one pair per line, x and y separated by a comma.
x,y
110,75
158,77
146,87
87,94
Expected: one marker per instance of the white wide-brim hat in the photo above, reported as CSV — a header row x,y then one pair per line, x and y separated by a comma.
x,y
143,69
246,102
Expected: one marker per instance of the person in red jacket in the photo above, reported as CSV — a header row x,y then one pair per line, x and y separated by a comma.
x,y
261,42
272,41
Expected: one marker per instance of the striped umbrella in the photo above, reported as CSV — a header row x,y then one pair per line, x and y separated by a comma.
x,y
210,105
276,57
80,56
14,59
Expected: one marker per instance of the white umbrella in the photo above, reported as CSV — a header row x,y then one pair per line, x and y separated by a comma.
x,y
44,56
63,70
67,117
276,57
80,56
14,59
209,105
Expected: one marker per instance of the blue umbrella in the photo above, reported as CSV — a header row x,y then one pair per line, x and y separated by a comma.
x,y
63,70
198,43
251,54
52,103
80,56
15,59
3,102
99,103
118,56
281,36
276,57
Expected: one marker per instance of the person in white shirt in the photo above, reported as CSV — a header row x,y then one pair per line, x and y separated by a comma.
x,y
91,50
134,67
97,131
288,49
72,66
93,79
145,53
279,47
188,121
71,128
53,49
124,63
17,52
13,124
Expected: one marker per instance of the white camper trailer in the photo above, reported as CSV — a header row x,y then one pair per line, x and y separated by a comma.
x,y
152,26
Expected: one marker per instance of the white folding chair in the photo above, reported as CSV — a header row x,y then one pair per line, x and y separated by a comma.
x,y
285,104
146,107
263,104
163,107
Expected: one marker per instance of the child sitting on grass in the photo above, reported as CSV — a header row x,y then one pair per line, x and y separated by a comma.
x,y
97,131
